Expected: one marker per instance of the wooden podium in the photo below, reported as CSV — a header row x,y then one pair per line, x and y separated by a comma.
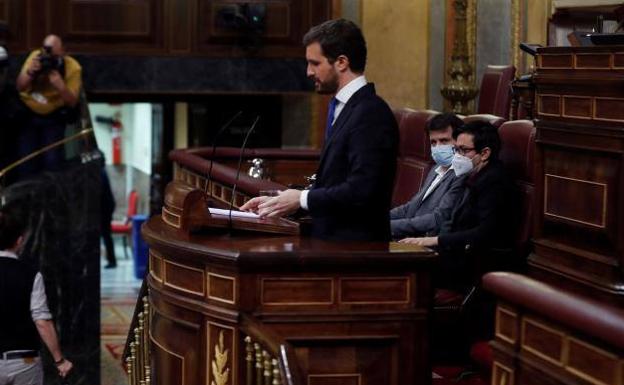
x,y
244,307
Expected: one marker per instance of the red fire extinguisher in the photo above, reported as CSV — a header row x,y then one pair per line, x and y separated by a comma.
x,y
116,136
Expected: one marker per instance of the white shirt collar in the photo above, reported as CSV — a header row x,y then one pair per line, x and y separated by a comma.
x,y
441,172
8,254
350,88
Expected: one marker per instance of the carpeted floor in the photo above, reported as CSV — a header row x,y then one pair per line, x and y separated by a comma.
x,y
119,290
116,316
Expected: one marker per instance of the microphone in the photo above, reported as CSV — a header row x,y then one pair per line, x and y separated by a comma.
x,y
214,149
240,161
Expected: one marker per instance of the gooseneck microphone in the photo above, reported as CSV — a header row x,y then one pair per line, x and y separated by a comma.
x,y
240,161
214,149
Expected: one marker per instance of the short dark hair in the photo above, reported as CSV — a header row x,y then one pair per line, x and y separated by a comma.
x,y
12,226
441,122
484,135
339,37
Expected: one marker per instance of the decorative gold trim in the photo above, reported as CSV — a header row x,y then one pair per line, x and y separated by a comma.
x,y
167,283
471,33
524,346
169,217
563,106
497,329
539,104
220,371
232,347
516,24
505,370
160,261
356,375
331,281
604,201
596,98
586,376
234,288
407,290
575,61
180,357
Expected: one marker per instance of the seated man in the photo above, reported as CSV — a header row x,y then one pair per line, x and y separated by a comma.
x,y
483,220
433,204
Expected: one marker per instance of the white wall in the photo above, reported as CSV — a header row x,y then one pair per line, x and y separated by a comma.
x,y
136,133
140,143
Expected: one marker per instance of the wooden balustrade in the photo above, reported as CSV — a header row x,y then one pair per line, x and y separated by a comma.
x,y
137,362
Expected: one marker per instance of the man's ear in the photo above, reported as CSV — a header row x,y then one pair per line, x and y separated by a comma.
x,y
485,153
342,63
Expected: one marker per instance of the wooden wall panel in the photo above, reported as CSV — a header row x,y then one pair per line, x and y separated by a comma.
x,y
13,14
285,23
167,27
180,25
109,26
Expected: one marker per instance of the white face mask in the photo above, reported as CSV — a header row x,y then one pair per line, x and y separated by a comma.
x,y
461,164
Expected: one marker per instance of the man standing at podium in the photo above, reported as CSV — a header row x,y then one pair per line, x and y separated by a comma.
x,y
350,198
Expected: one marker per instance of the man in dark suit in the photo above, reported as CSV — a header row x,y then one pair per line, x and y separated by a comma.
x,y
484,219
350,199
433,204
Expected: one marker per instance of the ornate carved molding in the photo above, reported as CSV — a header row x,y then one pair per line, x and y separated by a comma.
x,y
220,371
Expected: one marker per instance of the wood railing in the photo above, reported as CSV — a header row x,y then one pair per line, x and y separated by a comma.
x,y
269,359
137,357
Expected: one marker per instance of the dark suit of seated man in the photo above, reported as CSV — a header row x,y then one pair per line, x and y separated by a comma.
x,y
484,219
350,199
433,204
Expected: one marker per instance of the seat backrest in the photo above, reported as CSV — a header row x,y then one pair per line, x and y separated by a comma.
x,y
495,90
414,158
517,152
494,120
133,201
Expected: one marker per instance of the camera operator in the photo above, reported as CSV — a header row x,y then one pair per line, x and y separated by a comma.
x,y
49,85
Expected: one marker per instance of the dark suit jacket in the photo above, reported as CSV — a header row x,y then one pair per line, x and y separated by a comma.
x,y
478,236
350,199
481,219
420,217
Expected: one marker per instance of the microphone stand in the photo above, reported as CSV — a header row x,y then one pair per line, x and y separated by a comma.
x,y
240,161
214,149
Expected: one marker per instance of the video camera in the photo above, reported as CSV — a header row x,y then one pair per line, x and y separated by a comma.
x,y
50,61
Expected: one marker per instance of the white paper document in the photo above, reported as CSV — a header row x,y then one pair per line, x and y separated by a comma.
x,y
235,213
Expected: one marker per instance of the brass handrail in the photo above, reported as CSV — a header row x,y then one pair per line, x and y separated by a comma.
x,y
34,154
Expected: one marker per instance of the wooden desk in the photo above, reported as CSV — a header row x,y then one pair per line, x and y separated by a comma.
x,y
348,313
579,189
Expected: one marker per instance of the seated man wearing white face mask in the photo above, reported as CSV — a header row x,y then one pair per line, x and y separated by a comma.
x,y
441,190
483,219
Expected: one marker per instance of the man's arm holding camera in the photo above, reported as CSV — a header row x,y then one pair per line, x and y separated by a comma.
x,y
28,72
69,97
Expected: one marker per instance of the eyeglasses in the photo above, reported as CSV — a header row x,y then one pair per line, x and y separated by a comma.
x,y
461,150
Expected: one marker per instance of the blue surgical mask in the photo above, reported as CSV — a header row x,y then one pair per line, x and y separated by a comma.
x,y
442,154
461,164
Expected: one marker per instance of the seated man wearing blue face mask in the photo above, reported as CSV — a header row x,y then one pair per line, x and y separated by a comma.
x,y
483,220
441,190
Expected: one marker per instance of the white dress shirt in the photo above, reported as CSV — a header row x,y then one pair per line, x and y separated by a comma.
x,y
441,172
342,97
38,300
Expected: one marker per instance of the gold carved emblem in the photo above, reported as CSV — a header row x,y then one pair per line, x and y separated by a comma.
x,y
220,373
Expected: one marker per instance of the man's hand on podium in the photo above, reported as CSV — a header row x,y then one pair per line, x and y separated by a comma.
x,y
287,202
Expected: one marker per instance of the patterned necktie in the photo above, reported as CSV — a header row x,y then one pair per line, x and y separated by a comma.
x,y
330,117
